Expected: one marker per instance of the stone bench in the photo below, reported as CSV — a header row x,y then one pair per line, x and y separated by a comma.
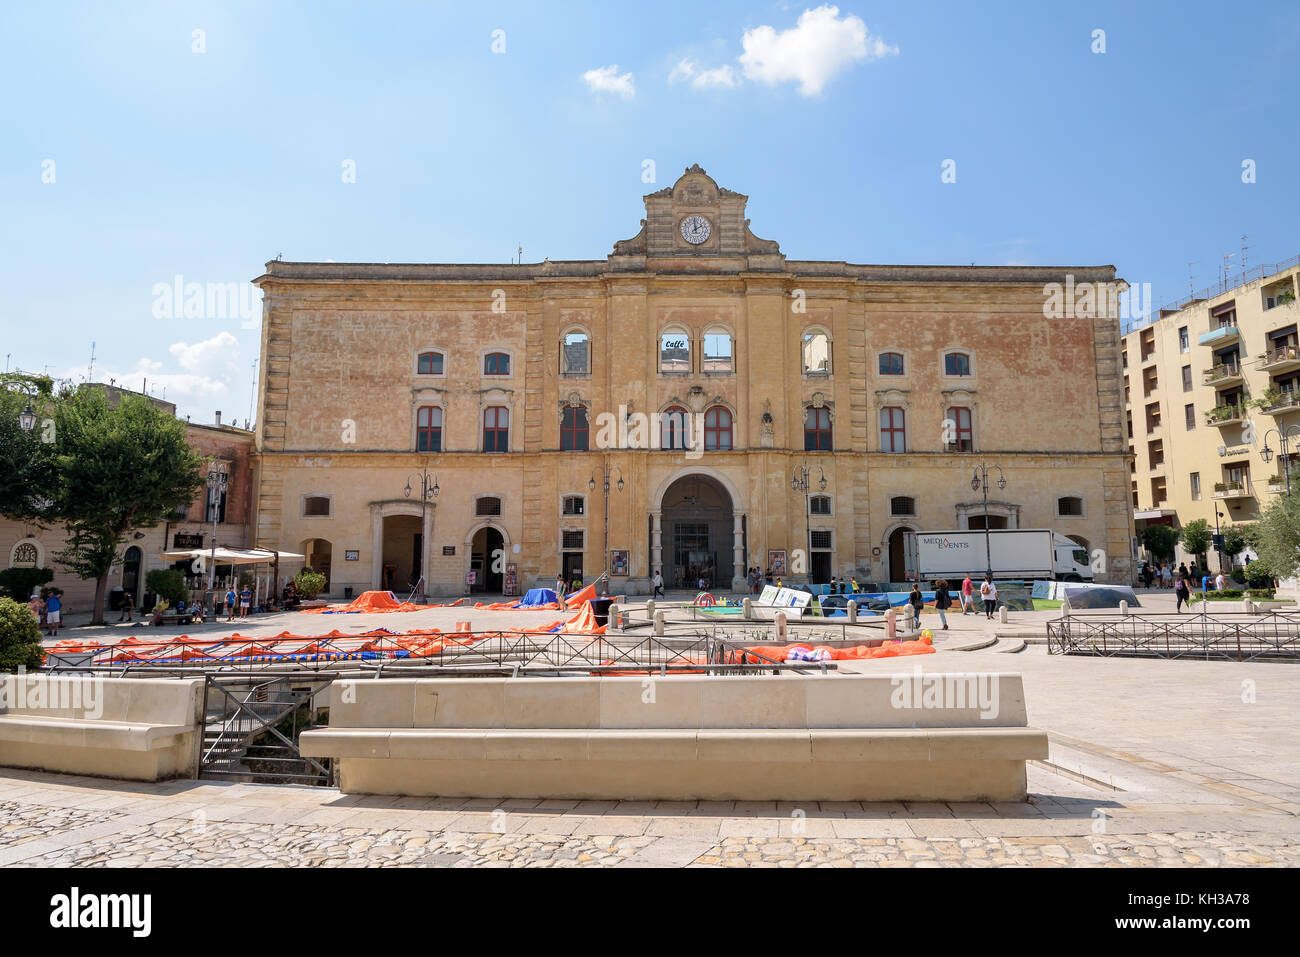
x,y
142,729
791,738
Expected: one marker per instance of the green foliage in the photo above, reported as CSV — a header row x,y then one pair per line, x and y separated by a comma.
x,y
1160,541
310,583
167,583
20,637
1258,574
1196,537
19,583
120,466
1234,540
1278,536
27,468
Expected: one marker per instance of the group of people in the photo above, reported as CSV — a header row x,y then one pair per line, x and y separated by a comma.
x,y
47,610
988,593
563,588
1164,575
843,586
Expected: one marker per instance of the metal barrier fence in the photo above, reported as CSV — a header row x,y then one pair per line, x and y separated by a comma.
x,y
1204,635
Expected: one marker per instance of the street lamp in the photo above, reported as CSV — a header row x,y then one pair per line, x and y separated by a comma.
x,y
800,482
1284,437
980,483
606,469
217,485
27,418
428,489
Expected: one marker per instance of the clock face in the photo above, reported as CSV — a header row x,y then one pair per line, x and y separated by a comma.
x,y
696,230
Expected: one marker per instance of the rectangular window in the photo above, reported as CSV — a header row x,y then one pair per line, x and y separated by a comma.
x,y
574,505
820,538
428,429
496,429
572,540
1196,486
1184,340
892,433
496,363
819,505
963,438
1189,413
717,352
1187,378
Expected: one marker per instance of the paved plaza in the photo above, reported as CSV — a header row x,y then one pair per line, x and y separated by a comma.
x,y
1152,763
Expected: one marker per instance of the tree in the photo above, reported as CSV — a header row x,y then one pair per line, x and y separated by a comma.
x,y
1160,540
1235,540
119,466
19,583
310,583
1196,538
20,637
1278,536
26,458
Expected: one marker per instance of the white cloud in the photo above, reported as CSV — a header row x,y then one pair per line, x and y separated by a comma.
x,y
812,52
687,70
211,356
605,79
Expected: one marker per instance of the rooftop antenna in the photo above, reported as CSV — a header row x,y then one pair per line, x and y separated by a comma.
x,y
521,254
90,370
1244,247
252,392
1226,257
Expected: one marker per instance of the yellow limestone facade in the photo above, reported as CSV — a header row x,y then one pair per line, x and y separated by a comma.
x,y
709,369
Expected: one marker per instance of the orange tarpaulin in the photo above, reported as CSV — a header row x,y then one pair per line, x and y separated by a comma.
x,y
578,597
801,652
376,602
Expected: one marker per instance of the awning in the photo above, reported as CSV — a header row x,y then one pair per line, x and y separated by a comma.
x,y
231,556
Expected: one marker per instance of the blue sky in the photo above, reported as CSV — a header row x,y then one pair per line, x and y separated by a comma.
x,y
836,123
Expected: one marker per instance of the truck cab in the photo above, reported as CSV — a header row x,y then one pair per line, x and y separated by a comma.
x,y
1071,560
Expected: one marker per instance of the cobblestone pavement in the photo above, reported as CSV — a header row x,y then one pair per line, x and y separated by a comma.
x,y
198,823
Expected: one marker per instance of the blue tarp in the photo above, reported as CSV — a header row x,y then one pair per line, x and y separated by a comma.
x,y
537,596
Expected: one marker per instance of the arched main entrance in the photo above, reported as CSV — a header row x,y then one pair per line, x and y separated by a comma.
x,y
487,560
131,576
902,560
698,531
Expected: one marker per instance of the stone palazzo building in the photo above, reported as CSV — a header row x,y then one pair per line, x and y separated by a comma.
x,y
702,371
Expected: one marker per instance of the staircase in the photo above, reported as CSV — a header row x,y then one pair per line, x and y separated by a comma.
x,y
240,740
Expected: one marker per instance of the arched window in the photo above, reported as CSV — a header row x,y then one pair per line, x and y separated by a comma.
x,y
816,353
717,429
674,431
496,363
717,351
962,437
819,505
573,429
893,433
817,430
675,351
428,429
1069,505
575,353
429,363
496,429
956,363
24,555
891,363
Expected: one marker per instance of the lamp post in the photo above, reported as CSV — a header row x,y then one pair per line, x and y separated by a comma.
x,y
606,469
428,489
800,481
1284,437
27,417
980,483
217,485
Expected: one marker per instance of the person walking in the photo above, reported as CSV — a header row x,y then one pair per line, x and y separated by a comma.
x,y
967,595
559,586
1182,592
1167,575
854,583
941,601
917,602
126,606
37,607
230,603
1182,569
53,612
659,585
989,594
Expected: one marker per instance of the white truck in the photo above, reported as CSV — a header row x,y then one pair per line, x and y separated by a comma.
x,y
1029,553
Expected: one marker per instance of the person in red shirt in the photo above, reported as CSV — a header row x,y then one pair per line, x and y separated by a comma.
x,y
967,596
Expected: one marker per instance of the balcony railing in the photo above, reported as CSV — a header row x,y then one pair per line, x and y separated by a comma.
x,y
1282,402
1223,372
1280,359
1225,415
1231,490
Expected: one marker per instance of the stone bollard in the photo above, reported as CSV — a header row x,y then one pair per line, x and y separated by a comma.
x,y
1002,614
650,608
782,626
1065,608
853,613
891,623
615,618
1247,605
747,606
659,624
909,615
1123,608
